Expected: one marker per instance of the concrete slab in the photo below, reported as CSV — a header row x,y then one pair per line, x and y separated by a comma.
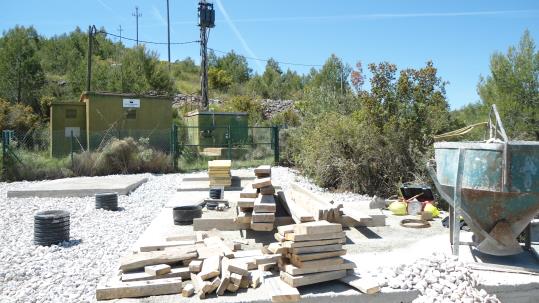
x,y
80,187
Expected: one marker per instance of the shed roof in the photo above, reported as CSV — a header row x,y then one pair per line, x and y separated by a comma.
x,y
197,113
92,93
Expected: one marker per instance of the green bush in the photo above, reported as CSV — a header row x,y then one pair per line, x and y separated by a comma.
x,y
122,157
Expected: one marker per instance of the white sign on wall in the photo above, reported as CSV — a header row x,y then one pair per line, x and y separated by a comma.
x,y
131,103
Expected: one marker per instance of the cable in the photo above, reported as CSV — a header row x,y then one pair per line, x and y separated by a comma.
x,y
213,49
150,42
266,60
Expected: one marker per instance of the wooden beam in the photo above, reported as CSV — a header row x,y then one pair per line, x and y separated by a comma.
x,y
324,236
365,285
262,226
258,183
181,272
317,263
115,289
280,291
224,224
163,245
316,256
169,256
157,270
298,213
295,271
315,249
292,244
265,203
317,227
258,217
308,279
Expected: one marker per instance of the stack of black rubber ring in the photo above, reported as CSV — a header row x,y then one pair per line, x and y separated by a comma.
x,y
51,227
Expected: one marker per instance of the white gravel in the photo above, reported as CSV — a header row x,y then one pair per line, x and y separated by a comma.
x,y
438,278
71,271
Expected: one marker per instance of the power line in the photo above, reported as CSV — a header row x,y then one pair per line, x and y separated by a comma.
x,y
150,42
213,49
266,60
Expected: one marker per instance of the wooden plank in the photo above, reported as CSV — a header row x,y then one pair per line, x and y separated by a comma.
x,y
195,266
256,278
259,217
283,221
325,236
238,267
247,253
315,249
277,248
224,224
223,286
376,220
169,256
317,227
267,190
246,202
182,272
292,244
356,214
210,268
217,242
181,238
298,213
249,192
308,279
235,278
265,204
263,170
220,164
115,289
316,256
317,263
258,183
280,291
261,226
294,270
157,270
279,237
163,245
285,229
244,218
319,207
266,259
365,285
188,290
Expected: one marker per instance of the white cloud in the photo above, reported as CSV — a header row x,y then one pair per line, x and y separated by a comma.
x,y
106,6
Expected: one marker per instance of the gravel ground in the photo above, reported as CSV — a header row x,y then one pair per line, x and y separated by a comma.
x,y
71,271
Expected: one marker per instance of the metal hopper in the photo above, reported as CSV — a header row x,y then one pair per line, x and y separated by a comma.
x,y
493,185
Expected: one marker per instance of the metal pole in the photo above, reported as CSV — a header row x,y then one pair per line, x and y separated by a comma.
x,y
137,15
168,33
89,64
229,137
204,65
276,153
72,165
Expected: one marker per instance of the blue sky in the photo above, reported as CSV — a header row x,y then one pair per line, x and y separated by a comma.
x,y
458,36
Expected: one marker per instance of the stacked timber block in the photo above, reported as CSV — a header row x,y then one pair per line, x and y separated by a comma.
x,y
264,207
219,172
263,171
314,253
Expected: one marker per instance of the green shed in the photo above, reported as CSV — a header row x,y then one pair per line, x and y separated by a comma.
x,y
65,119
128,115
101,116
209,129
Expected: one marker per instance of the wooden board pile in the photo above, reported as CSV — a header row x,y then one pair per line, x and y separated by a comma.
x,y
212,264
219,172
257,202
313,252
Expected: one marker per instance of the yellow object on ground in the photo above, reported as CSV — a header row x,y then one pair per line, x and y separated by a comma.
x,y
398,208
432,209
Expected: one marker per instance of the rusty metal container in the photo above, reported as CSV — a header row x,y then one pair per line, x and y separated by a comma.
x,y
493,185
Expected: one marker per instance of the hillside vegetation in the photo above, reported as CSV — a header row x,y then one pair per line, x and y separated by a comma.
x,y
341,134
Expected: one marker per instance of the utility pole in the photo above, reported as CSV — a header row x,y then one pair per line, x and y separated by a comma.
x,y
136,14
120,30
168,34
91,31
206,19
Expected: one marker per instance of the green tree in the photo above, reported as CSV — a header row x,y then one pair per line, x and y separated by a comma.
x,y
513,85
333,75
21,74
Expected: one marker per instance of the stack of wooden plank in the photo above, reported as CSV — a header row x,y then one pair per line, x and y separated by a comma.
x,y
314,253
219,172
264,207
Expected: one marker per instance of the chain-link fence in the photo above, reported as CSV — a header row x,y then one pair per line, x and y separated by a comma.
x,y
41,154
245,146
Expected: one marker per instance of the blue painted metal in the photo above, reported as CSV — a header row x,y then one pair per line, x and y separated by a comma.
x,y
500,183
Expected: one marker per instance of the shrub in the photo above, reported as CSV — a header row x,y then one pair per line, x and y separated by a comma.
x,y
122,157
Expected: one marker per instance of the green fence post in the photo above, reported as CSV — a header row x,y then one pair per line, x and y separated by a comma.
x,y
276,144
174,147
4,153
229,142
71,146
